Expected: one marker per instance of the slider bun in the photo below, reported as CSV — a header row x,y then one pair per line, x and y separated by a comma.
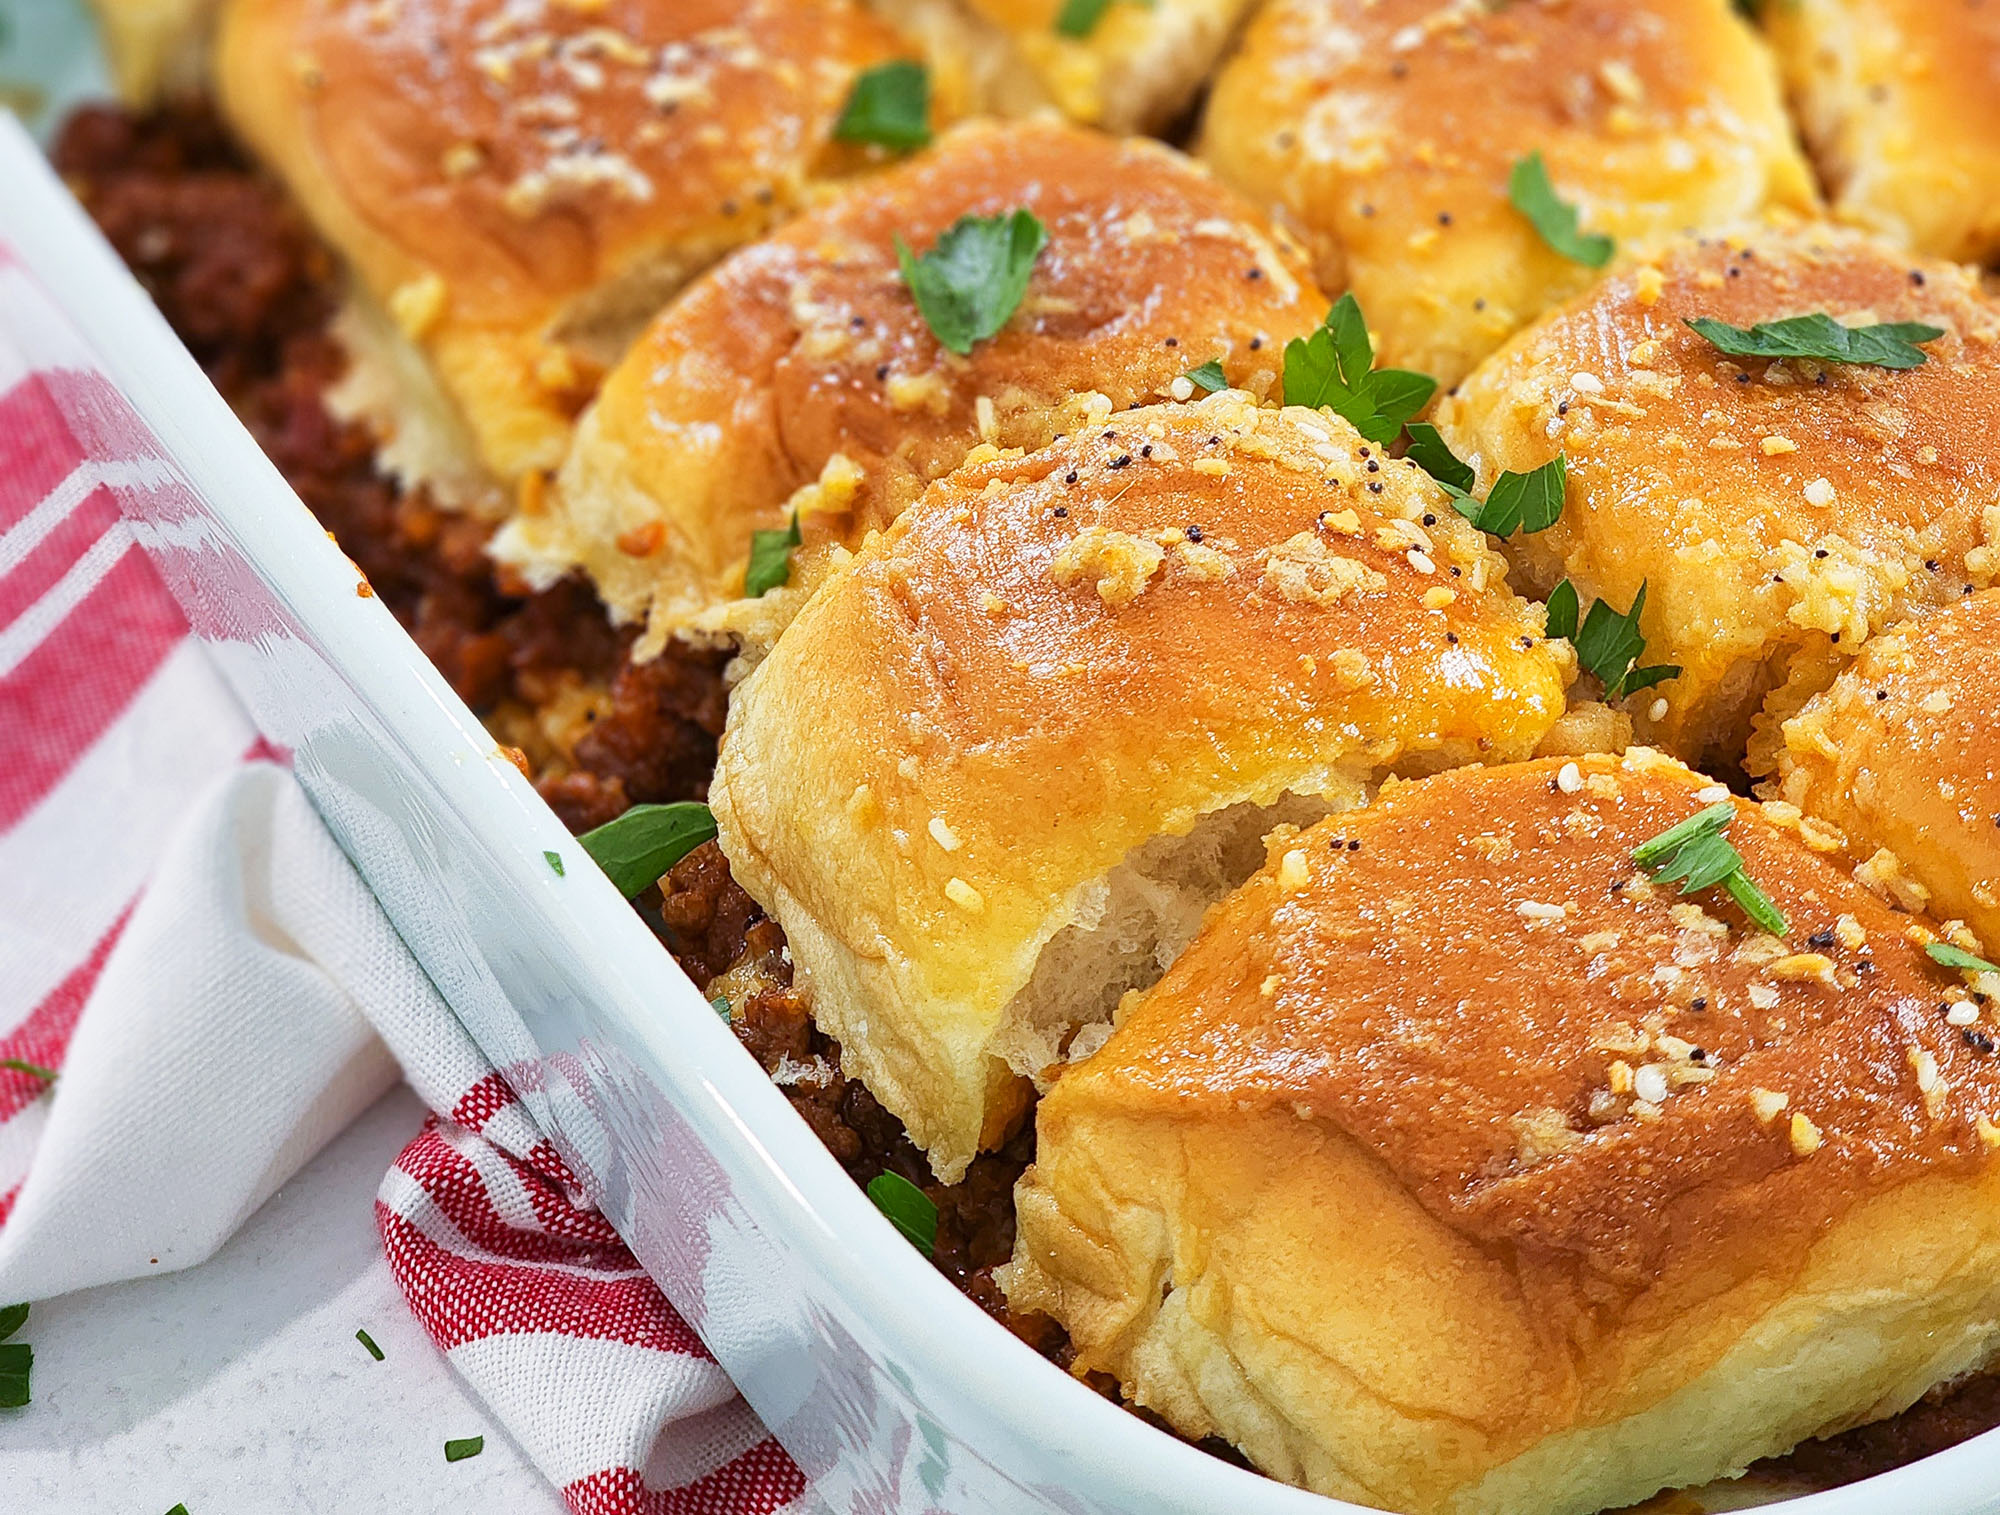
x,y
1385,132
154,47
1349,1186
1138,69
995,770
805,356
1899,101
1903,753
1779,513
519,196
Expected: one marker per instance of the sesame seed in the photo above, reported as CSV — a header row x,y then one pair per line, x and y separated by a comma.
x,y
943,834
1658,712
1535,910
963,895
1963,1013
1292,873
1713,794
1569,778
1819,492
1421,561
1650,1083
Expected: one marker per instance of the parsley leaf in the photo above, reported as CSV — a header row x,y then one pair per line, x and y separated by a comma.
x,y
909,1209
1429,452
1531,193
17,1361
464,1447
1958,957
1531,501
1697,856
179,1509
33,1070
555,861
369,1342
1331,368
890,105
770,559
12,1318
973,278
1889,345
1079,18
647,840
1209,377
1562,608
1607,644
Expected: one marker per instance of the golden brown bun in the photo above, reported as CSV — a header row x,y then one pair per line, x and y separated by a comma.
x,y
1903,753
1137,70
1351,1187
1780,514
521,195
154,47
1385,130
807,349
1900,102
996,768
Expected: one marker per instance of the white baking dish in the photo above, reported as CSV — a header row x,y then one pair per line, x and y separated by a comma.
x,y
892,1390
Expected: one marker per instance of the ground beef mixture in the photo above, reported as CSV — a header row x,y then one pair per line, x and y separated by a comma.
x,y
251,292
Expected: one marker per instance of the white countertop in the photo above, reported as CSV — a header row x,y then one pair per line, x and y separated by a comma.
x,y
237,1388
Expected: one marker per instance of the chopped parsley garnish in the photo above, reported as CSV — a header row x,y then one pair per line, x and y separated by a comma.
x,y
1531,193
1889,345
464,1447
646,841
1607,644
555,861
909,1209
771,559
33,1070
720,1005
17,1359
973,278
1209,377
1429,451
17,1362
1697,855
1958,957
890,105
1334,368
369,1342
1531,501
179,1509
1079,18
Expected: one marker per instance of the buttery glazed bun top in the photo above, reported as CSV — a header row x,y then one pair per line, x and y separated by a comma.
x,y
808,350
1900,102
1779,513
521,184
1052,660
1386,130
1903,753
1460,1168
1466,1033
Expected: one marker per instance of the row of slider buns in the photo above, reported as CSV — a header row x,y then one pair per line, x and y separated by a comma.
x,y
1080,680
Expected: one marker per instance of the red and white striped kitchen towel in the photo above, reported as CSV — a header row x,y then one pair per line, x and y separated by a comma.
x,y
186,951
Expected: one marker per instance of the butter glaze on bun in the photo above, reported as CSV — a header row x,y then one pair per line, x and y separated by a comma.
x,y
1902,756
1385,131
1000,763
1899,101
518,188
1458,1169
1779,513
804,358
